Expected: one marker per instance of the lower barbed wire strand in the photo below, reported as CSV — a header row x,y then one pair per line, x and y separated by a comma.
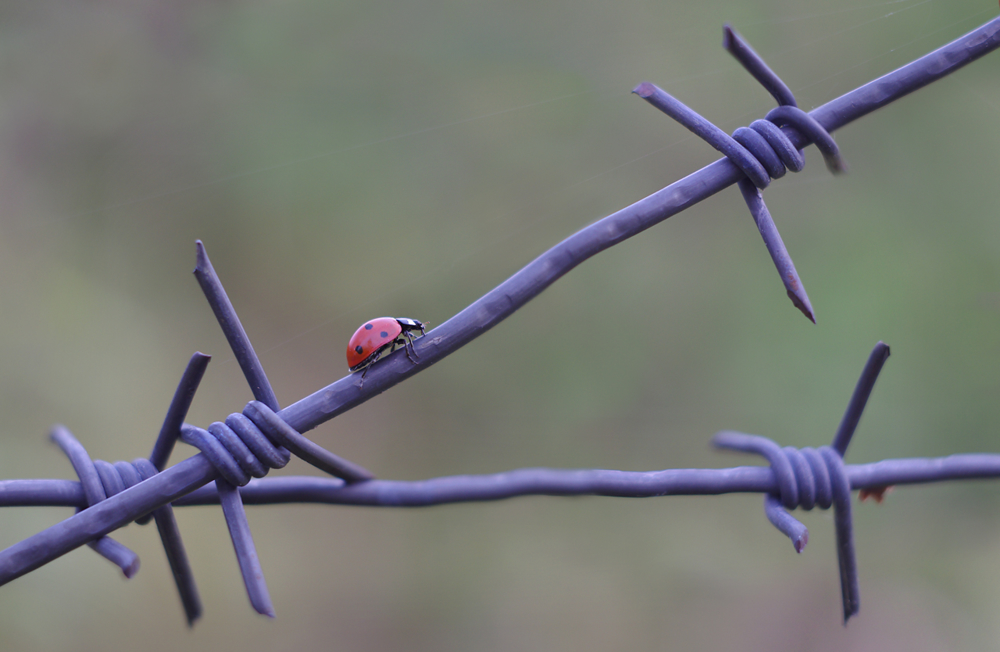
x,y
523,482
41,493
499,486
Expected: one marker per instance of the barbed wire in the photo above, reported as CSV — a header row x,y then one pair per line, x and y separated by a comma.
x,y
238,453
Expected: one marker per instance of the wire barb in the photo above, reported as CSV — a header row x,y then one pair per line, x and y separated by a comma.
x,y
859,399
810,477
761,151
179,406
101,480
741,50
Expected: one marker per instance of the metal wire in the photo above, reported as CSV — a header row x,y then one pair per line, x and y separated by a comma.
x,y
237,454
806,478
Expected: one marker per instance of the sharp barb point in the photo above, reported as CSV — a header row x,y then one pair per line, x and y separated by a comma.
x,y
801,301
644,90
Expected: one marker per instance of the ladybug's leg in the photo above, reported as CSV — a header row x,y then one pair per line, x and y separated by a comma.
x,y
408,345
375,357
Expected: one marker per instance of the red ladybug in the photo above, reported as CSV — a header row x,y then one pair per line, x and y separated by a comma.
x,y
379,337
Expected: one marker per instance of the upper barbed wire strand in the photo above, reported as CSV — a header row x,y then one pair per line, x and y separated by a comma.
x,y
524,285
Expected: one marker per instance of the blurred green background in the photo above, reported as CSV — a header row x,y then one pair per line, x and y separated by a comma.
x,y
345,160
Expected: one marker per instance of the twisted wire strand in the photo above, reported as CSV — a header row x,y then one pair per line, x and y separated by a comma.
x,y
238,449
769,145
762,151
246,446
94,490
811,129
250,443
810,477
101,480
806,478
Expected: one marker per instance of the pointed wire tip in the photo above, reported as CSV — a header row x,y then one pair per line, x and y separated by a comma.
x,y
200,256
130,570
801,301
801,542
55,432
727,439
728,36
645,89
836,165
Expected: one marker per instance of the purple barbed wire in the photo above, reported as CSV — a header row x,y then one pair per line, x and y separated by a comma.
x,y
795,478
237,453
529,482
761,151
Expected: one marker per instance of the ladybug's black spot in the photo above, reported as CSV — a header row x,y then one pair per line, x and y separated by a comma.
x,y
384,334
368,327
358,349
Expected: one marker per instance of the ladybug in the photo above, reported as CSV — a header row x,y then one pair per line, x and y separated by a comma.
x,y
379,337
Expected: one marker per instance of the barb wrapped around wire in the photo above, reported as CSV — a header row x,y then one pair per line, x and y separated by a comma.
x,y
762,152
235,454
247,445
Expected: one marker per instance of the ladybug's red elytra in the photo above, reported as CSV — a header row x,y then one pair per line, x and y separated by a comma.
x,y
379,337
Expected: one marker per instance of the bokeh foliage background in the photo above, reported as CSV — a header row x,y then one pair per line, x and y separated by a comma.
x,y
344,160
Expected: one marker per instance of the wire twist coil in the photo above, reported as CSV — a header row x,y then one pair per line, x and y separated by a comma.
x,y
239,449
